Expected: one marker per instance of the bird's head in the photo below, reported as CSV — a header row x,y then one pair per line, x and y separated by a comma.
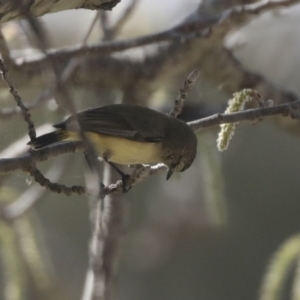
x,y
180,162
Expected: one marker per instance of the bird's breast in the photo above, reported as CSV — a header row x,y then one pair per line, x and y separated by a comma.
x,y
123,151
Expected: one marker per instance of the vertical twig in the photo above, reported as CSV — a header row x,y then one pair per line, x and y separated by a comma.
x,y
107,224
187,85
114,225
94,286
107,221
18,99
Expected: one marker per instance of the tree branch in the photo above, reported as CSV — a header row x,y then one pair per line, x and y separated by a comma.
x,y
287,109
27,161
54,187
17,98
209,55
38,8
194,26
183,92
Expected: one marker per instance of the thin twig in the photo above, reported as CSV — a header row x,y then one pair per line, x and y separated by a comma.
x,y
139,174
18,99
67,101
183,92
29,198
47,94
108,238
42,41
287,109
58,85
68,70
112,46
95,281
55,187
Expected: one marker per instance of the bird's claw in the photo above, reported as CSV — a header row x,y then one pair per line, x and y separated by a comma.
x,y
124,179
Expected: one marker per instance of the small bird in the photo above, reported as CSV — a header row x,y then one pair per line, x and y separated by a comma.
x,y
129,134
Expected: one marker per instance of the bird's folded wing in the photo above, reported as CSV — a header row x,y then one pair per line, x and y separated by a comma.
x,y
113,124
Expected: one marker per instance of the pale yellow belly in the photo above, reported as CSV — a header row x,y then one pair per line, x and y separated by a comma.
x,y
123,151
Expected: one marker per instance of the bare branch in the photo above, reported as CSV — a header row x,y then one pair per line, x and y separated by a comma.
x,y
100,214
209,54
183,92
47,94
287,109
55,187
27,161
29,198
192,27
109,47
24,109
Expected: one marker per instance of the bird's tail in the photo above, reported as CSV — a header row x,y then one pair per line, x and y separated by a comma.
x,y
48,139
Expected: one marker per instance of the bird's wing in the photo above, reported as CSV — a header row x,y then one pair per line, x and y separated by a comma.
x,y
112,123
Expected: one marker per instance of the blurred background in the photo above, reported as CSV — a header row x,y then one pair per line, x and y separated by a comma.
x,y
209,233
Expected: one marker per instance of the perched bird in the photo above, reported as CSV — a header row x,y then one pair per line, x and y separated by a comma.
x,y
129,134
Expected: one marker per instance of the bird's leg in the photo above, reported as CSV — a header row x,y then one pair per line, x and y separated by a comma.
x,y
124,177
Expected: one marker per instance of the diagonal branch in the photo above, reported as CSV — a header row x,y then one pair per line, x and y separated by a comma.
x,y
54,187
15,94
31,196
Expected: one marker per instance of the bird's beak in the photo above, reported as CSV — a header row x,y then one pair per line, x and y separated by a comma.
x,y
169,174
